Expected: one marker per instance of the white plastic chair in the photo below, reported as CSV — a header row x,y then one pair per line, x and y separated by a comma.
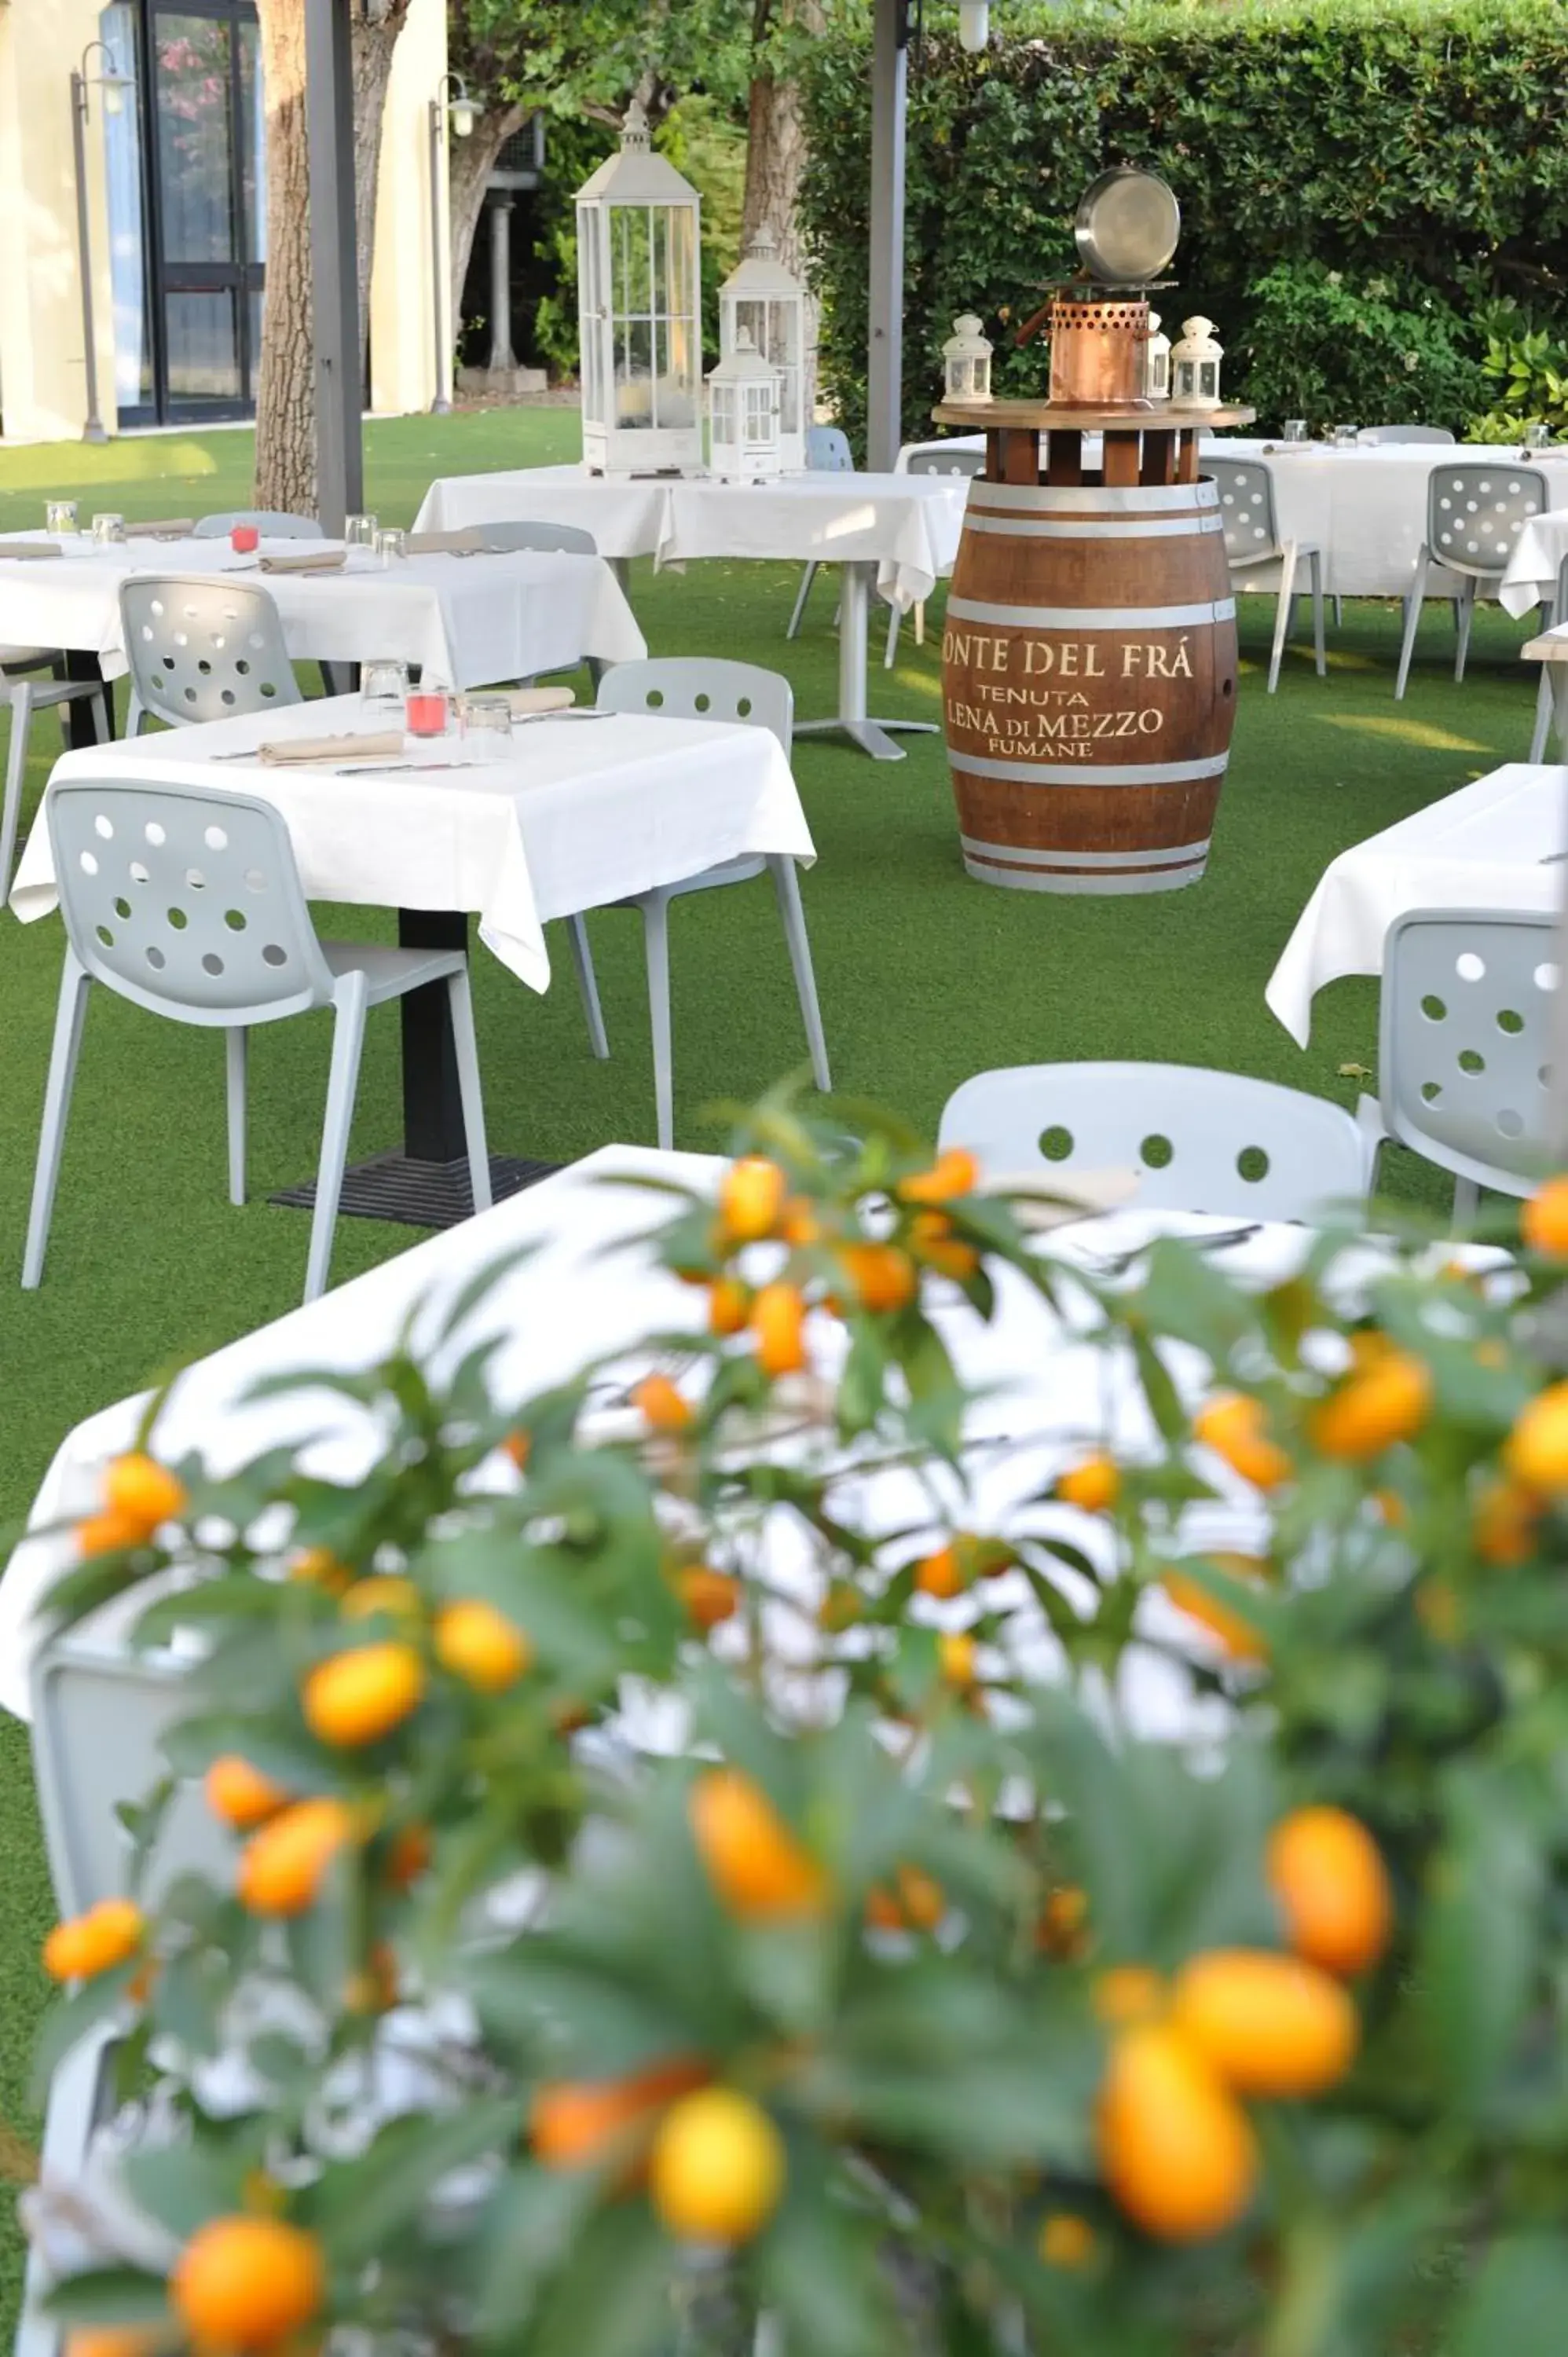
x,y
1465,1028
691,687
201,648
188,903
22,696
273,523
1476,510
1200,1140
569,539
930,459
1257,557
827,453
1372,434
98,1710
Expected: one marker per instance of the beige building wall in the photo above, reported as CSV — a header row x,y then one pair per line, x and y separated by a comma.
x,y
42,372
43,381
402,294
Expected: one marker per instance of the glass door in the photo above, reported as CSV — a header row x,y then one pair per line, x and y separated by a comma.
x,y
202,123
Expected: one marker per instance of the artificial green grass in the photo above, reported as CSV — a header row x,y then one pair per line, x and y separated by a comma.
x,y
924,978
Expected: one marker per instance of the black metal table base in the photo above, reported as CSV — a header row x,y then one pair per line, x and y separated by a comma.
x,y
419,1194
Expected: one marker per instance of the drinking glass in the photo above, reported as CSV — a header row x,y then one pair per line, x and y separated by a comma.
x,y
1345,437
384,682
1538,436
59,515
392,545
1295,429
107,529
426,711
487,726
359,532
244,539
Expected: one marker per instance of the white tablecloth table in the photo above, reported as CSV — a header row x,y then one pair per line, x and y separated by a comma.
x,y
900,531
580,813
469,620
573,1301
1496,844
1536,565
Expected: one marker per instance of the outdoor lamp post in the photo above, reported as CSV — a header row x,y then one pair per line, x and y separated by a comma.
x,y
966,360
762,300
451,105
1194,366
113,84
639,317
744,412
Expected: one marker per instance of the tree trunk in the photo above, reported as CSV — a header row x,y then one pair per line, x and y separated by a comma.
x,y
776,143
470,163
285,394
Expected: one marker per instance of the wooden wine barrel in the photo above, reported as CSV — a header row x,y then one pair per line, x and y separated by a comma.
x,y
1089,683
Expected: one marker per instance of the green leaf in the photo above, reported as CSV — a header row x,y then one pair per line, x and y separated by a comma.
x,y
110,2296
366,2202
1519,2300
612,2293
184,2185
533,2215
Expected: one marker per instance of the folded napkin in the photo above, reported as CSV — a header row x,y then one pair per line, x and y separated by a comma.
x,y
292,751
468,541
29,548
325,560
524,700
167,528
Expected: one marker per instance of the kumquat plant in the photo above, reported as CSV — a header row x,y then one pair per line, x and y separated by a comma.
x,y
971,1796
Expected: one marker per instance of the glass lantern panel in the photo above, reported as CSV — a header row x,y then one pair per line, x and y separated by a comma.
x,y
631,264
677,373
723,415
1208,377
634,374
680,264
758,413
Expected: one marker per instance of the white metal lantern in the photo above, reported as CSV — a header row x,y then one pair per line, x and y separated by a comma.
x,y
1156,362
966,357
763,300
639,311
1194,366
744,411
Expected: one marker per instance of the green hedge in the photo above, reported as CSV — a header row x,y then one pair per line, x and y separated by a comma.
x,y
1417,146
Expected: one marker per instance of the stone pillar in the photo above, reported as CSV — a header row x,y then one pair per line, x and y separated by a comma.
x,y
502,357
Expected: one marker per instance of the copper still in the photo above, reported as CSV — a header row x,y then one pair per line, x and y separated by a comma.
x,y
1097,350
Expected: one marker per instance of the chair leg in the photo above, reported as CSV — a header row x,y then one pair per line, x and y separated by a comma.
x,y
69,1013
1466,1201
587,986
894,618
1412,605
1467,615
349,1001
135,715
236,1042
21,703
656,949
80,2089
107,735
1339,612
920,623
1537,742
787,885
467,1048
1282,611
808,576
1314,572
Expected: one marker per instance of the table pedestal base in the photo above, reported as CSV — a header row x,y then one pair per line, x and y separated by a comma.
x,y
852,719
418,1194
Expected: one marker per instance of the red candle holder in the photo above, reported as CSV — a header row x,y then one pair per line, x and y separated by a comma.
x,y
244,539
426,713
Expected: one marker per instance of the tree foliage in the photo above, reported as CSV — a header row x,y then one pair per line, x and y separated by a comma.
x,y
1416,140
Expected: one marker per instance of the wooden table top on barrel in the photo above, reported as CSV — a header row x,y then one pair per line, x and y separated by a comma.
x,y
1155,443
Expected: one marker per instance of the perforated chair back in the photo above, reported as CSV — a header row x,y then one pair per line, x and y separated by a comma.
x,y
273,523
570,539
1476,511
935,461
1374,433
187,903
99,1711
700,687
1246,488
202,647
1464,1067
828,451
1200,1140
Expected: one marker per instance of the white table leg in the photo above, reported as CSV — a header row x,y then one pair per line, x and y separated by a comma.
x,y
851,720
1558,674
